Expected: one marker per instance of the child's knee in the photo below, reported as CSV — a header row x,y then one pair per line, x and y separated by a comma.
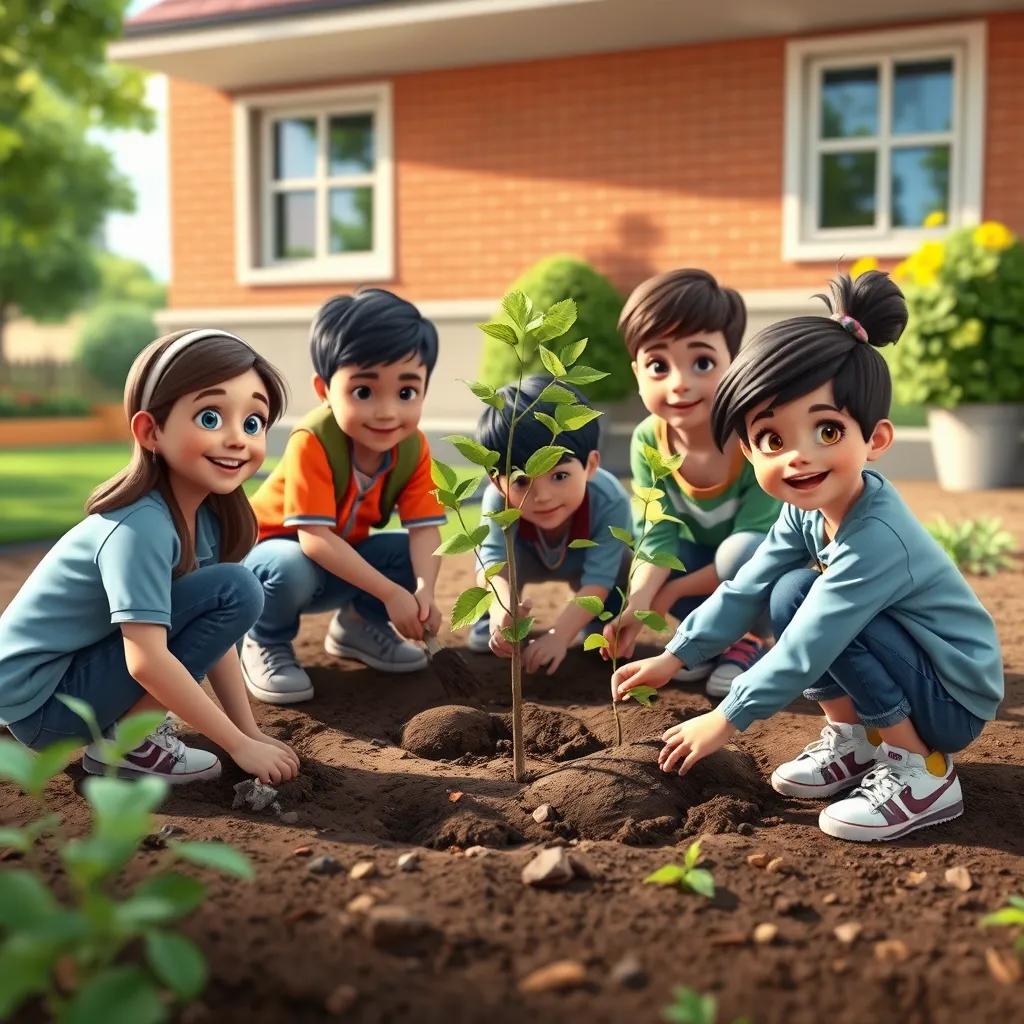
x,y
787,596
735,551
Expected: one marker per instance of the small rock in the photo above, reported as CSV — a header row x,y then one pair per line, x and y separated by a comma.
x,y
891,951
549,868
1004,967
455,797
778,866
362,869
170,831
629,972
556,977
302,851
545,813
745,828
378,743
341,1000
959,878
324,865
289,817
759,859
847,933
391,925
477,851
409,861
729,939
765,934
830,897
153,842
253,794
360,904
840,965
915,878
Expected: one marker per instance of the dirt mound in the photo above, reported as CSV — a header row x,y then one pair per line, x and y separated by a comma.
x,y
449,732
622,794
551,734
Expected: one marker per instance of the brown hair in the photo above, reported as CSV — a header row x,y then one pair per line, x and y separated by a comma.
x,y
209,361
679,303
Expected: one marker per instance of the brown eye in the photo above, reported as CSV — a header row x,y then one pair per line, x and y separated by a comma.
x,y
769,442
829,433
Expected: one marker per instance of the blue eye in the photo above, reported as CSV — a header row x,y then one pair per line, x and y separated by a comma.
x,y
253,424
208,419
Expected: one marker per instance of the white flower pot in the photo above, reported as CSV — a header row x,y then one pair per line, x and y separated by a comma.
x,y
977,447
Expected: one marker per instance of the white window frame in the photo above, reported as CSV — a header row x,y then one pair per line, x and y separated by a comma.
x,y
806,62
254,187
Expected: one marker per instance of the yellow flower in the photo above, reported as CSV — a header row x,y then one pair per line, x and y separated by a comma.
x,y
862,266
930,256
935,219
993,235
924,275
901,271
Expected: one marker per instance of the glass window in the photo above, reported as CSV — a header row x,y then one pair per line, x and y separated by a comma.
x,y
920,184
351,145
849,103
294,148
847,190
922,97
295,225
351,214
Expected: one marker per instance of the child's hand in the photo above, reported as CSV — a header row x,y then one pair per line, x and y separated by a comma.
x,y
281,745
499,645
266,761
690,741
654,672
546,650
430,614
624,643
404,612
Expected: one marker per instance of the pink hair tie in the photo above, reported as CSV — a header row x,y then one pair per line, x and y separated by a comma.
x,y
852,326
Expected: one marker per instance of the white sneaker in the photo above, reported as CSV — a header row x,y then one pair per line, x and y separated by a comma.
x,y
898,796
373,643
161,754
839,760
697,674
273,675
736,658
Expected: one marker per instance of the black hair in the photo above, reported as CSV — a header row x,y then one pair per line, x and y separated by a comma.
x,y
370,328
796,356
680,303
492,430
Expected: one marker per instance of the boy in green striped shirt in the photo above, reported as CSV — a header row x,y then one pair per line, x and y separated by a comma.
x,y
682,330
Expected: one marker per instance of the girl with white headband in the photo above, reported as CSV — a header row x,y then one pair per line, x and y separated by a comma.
x,y
873,620
132,607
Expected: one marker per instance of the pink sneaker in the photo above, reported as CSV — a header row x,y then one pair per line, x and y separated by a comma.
x,y
737,658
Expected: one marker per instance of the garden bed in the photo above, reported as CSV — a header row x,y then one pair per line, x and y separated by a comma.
x,y
282,947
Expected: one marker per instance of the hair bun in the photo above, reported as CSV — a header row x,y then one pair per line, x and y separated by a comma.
x,y
874,300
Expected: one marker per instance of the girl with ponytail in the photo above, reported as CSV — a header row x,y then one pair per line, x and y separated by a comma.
x,y
132,607
872,619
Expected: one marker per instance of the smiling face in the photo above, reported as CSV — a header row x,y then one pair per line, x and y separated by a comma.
x,y
810,454
377,406
552,499
677,377
214,439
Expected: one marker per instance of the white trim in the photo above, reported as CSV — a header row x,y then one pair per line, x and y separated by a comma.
x,y
804,60
252,202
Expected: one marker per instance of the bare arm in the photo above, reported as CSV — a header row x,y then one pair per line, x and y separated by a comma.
x,y
573,618
698,583
423,542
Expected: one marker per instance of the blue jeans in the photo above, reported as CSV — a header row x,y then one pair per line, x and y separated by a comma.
x,y
293,584
886,674
211,608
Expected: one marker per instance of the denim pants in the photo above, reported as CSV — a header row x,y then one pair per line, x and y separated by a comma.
x,y
211,608
886,674
293,584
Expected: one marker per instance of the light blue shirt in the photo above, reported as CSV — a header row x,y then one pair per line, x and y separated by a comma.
x,y
606,504
881,560
112,567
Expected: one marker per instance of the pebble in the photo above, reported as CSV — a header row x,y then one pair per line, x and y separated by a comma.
x,y
289,817
891,951
360,904
548,869
341,1000
759,859
170,831
765,934
629,972
777,866
847,933
455,797
378,743
840,965
545,813
556,977
324,865
302,851
392,925
729,939
362,869
915,878
745,828
830,897
959,878
1004,967
409,861
253,794
477,851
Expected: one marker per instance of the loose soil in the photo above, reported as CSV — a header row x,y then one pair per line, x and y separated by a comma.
x,y
391,765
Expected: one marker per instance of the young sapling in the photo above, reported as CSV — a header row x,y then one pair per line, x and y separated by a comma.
x,y
687,876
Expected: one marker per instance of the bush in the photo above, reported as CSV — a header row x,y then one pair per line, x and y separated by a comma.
x,y
598,305
25,404
112,336
965,339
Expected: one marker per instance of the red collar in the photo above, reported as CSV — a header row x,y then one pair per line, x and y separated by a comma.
x,y
579,526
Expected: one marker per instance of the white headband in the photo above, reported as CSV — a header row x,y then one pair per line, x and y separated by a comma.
x,y
168,355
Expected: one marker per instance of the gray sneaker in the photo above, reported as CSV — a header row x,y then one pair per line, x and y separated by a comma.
x,y
374,644
272,674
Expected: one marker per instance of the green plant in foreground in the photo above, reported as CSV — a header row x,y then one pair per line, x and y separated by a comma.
x,y
686,875
1010,916
690,1007
70,951
979,546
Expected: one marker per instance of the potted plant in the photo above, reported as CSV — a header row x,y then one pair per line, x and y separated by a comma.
x,y
962,354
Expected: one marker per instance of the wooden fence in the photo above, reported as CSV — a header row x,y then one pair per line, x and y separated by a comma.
x,y
46,377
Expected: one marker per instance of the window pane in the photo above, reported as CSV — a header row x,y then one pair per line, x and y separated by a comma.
x,y
294,225
847,190
922,99
849,103
920,184
351,212
350,144
294,148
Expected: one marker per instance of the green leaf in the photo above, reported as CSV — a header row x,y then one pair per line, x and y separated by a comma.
x,y
472,450
218,856
493,569
50,762
572,417
495,402
24,900
692,855
131,731
557,395
690,1007
27,967
551,362
84,712
643,695
669,874
520,632
666,561
113,799
160,899
652,620
583,542
620,534
478,388
549,421
460,543
701,882
584,375
518,308
119,995
605,616
503,332
572,351
594,641
93,859
177,962
443,475
16,763
1006,916
15,839
648,493
505,517
471,605
590,603
467,488
556,321
447,498
543,460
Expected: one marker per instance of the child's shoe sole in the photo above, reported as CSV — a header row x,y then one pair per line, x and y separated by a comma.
x,y
276,696
880,834
331,646
94,767
787,787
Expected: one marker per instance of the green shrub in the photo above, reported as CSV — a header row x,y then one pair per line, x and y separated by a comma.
x,y
978,546
598,305
26,404
112,336
965,339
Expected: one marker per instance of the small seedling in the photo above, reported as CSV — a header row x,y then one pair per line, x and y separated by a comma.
x,y
686,875
1010,916
688,1006
977,546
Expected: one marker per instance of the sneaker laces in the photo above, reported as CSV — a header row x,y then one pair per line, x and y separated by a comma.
x,y
381,633
881,783
165,737
744,652
823,749
277,656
